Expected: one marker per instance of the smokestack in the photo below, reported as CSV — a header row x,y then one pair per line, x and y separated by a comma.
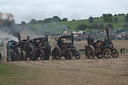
x,y
72,39
46,37
107,31
28,37
18,36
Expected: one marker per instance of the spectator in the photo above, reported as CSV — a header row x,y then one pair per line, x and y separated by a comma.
x,y
121,50
0,57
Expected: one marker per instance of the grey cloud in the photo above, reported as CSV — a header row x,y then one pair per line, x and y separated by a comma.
x,y
78,9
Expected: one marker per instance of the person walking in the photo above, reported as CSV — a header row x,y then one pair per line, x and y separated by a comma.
x,y
121,50
0,57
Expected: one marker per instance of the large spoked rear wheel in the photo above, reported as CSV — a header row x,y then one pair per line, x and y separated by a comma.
x,y
42,55
13,55
23,55
89,52
56,53
69,55
107,53
18,54
115,53
77,55
31,53
47,53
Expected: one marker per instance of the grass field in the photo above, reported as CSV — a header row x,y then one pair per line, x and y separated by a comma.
x,y
11,74
73,24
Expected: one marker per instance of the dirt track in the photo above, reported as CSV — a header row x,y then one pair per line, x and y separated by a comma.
x,y
79,72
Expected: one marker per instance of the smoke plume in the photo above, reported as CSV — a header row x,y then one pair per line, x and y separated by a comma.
x,y
7,24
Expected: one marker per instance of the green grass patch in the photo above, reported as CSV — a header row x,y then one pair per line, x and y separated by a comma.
x,y
73,24
10,69
11,74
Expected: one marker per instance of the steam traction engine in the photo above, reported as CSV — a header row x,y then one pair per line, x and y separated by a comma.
x,y
64,46
101,49
28,49
40,48
17,51
11,51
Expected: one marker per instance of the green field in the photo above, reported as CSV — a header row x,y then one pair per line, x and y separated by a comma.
x,y
73,24
12,74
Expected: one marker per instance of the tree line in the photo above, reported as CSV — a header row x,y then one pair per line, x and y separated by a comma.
x,y
106,18
46,20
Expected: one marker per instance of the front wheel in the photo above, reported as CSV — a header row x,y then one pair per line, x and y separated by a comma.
x,y
18,54
56,53
115,53
107,53
31,53
89,52
69,55
23,55
42,55
77,55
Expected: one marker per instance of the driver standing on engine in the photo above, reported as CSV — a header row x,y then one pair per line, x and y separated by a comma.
x,y
90,40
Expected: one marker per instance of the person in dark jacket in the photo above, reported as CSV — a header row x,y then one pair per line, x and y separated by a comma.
x,y
0,57
90,40
121,50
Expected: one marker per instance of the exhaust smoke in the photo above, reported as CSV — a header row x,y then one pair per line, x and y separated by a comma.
x,y
7,25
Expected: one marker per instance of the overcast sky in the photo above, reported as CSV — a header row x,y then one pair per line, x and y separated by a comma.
x,y
25,10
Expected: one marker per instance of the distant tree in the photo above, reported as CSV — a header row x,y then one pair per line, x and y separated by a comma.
x,y
115,15
39,21
82,27
33,21
110,18
90,27
23,22
110,26
73,19
101,27
56,19
91,19
101,16
107,17
125,26
115,19
95,26
65,19
47,20
121,14
126,19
